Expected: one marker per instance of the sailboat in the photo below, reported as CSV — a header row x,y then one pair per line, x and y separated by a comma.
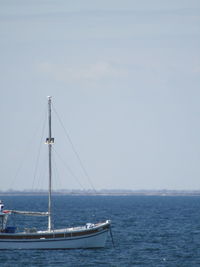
x,y
90,235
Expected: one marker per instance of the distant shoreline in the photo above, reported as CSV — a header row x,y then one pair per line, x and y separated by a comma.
x,y
104,193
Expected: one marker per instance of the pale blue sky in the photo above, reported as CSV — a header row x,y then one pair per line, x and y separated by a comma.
x,y
125,79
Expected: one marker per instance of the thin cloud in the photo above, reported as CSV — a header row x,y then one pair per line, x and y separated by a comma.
x,y
90,72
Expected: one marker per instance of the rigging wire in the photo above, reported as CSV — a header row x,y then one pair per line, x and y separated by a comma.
x,y
69,169
56,180
41,176
24,156
75,152
39,150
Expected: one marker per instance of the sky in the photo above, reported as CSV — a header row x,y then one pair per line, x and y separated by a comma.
x,y
124,77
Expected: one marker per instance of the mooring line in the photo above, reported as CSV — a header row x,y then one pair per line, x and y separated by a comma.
x,y
112,237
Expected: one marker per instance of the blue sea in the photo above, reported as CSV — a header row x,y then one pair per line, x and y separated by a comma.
x,y
147,230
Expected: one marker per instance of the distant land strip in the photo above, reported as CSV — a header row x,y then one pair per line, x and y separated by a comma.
x,y
103,192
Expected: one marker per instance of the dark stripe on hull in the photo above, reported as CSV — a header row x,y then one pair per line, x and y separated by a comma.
x,y
42,237
53,240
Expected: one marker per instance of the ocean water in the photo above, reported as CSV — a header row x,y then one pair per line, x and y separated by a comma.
x,y
147,230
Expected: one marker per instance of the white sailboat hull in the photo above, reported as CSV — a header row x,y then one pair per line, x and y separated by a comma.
x,y
88,238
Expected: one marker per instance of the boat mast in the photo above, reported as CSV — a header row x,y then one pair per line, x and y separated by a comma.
x,y
49,141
